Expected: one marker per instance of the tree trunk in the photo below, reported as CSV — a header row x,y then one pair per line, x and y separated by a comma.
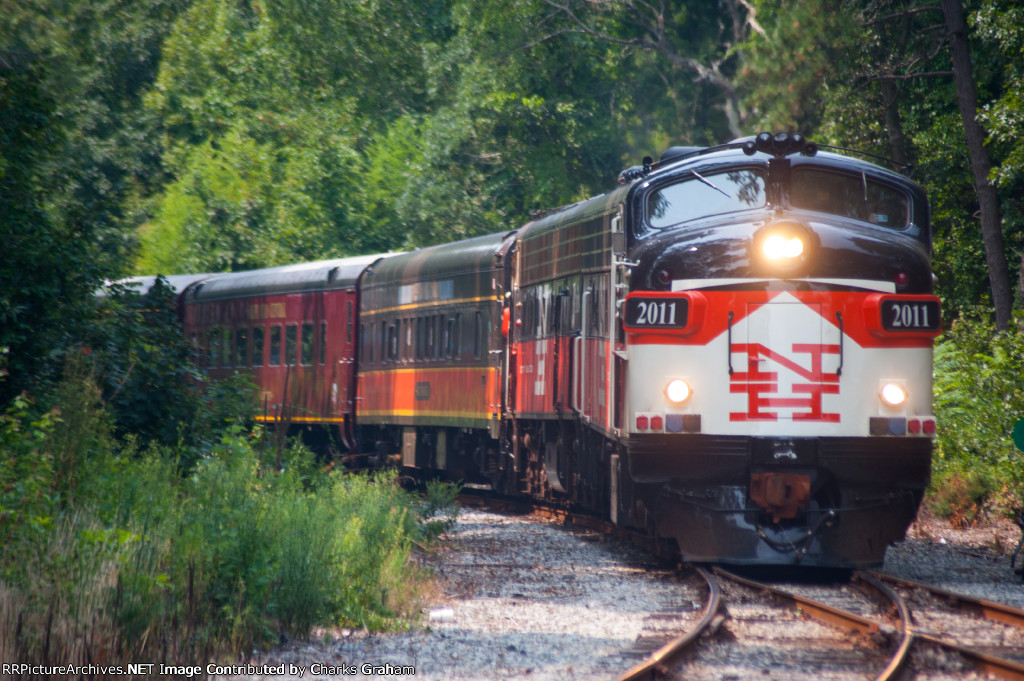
x,y
893,122
981,164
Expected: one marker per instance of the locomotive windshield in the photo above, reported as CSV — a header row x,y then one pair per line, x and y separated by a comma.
x,y
704,195
853,196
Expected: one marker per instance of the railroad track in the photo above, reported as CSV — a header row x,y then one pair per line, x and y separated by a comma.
x,y
873,626
891,633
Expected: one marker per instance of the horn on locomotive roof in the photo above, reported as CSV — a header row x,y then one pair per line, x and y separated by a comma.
x,y
636,172
780,145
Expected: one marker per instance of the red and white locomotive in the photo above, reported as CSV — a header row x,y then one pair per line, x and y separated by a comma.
x,y
731,349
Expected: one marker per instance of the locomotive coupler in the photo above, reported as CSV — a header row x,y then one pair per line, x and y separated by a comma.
x,y
800,546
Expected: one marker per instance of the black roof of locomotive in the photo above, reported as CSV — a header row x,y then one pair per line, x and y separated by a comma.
x,y
322,275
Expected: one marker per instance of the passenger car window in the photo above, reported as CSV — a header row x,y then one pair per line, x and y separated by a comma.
x,y
702,195
257,346
275,346
853,196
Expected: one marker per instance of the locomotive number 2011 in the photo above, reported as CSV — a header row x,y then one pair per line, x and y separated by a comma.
x,y
656,312
910,316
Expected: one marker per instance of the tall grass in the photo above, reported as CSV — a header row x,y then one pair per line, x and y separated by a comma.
x,y
117,555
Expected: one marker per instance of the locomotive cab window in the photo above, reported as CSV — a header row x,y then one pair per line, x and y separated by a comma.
x,y
703,195
853,196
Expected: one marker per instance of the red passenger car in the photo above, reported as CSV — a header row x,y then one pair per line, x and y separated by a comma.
x,y
292,328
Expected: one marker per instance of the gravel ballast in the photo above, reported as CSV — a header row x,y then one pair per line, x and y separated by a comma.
x,y
522,598
519,598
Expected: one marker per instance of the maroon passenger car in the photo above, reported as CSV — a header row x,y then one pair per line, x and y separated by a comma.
x,y
293,328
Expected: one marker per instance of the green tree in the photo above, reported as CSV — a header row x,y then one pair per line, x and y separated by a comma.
x,y
273,113
886,85
75,148
1000,25
45,274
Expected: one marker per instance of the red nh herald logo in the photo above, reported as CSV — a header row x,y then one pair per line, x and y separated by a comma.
x,y
798,397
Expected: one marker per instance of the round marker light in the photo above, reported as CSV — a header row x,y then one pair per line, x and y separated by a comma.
x,y
779,247
677,391
893,394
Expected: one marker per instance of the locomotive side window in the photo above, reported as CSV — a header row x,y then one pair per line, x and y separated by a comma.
x,y
704,195
852,196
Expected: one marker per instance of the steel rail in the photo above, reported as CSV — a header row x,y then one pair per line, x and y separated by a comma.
x,y
820,611
842,619
899,658
992,665
657,661
997,612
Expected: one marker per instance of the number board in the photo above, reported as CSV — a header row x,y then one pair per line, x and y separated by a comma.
x,y
911,315
657,313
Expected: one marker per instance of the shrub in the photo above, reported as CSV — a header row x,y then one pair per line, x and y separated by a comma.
x,y
961,497
117,553
978,397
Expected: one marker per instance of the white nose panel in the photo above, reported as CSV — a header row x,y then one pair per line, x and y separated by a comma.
x,y
784,358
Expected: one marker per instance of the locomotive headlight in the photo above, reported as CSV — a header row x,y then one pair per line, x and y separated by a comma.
x,y
782,247
677,391
893,394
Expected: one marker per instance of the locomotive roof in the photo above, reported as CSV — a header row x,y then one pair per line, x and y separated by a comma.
x,y
321,275
467,256
734,154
